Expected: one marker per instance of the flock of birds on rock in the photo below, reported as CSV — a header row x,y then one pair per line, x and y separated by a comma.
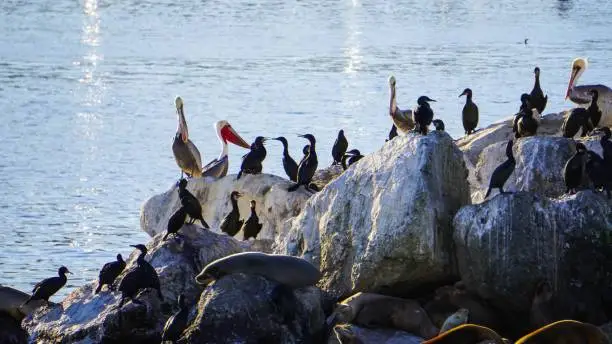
x,y
188,158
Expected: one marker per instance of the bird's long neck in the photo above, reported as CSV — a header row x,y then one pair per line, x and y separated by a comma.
x,y
285,149
468,98
253,212
537,81
62,275
392,102
234,204
343,162
141,257
223,146
182,124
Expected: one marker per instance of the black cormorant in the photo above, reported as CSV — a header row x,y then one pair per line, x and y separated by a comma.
x,y
176,222
308,165
231,223
578,118
191,203
538,100
438,124
251,227
252,161
470,112
423,114
502,172
142,276
109,273
44,289
574,167
289,164
339,148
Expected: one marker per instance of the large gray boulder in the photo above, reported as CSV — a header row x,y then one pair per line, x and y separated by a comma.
x,y
84,317
509,244
274,204
240,308
386,221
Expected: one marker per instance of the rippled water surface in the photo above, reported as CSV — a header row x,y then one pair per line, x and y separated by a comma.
x,y
87,88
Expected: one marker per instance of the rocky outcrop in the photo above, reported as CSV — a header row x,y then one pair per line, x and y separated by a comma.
x,y
507,245
355,334
539,166
386,221
241,308
473,145
84,317
274,204
540,159
325,175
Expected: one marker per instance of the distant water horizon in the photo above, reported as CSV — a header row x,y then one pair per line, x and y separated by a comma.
x,y
87,91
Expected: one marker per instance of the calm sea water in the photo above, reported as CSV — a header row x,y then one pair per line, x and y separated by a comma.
x,y
87,89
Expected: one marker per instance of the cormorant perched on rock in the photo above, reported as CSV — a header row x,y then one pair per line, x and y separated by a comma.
x,y
109,273
339,148
538,100
578,118
231,223
176,222
177,323
252,161
44,289
502,172
191,204
392,133
289,164
438,124
572,172
593,109
596,170
423,114
308,165
352,156
140,277
524,122
470,112
251,226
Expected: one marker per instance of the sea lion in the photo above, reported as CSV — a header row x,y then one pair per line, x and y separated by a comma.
x,y
12,302
375,310
565,332
291,271
460,317
468,334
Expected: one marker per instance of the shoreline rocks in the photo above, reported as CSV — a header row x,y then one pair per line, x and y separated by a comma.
x,y
274,204
385,223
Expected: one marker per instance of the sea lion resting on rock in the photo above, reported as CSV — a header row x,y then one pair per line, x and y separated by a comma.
x,y
375,310
290,271
12,302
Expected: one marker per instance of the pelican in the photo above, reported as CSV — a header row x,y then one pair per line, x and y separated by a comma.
x,y
401,118
581,95
186,153
218,167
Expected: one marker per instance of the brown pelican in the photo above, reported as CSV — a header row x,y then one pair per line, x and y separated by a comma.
x,y
218,167
582,94
186,153
401,118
